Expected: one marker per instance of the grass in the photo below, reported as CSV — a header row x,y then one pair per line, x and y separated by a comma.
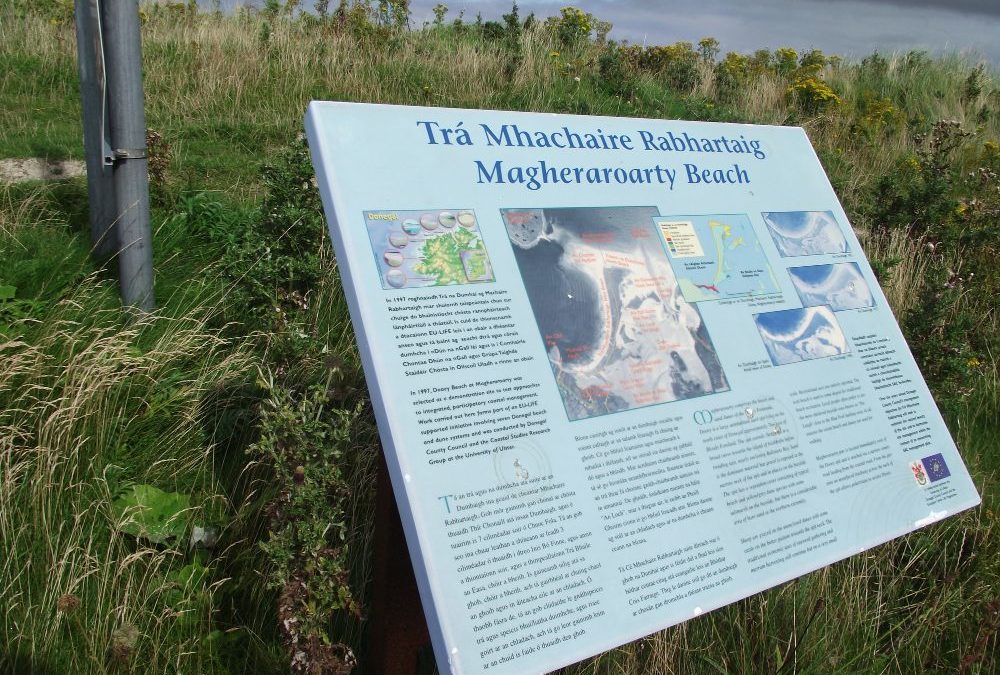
x,y
214,84
91,404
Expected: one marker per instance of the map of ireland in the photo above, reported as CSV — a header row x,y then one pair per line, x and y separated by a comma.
x,y
428,248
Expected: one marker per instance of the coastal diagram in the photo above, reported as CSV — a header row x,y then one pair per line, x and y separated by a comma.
x,y
716,257
801,334
840,285
798,233
428,248
618,331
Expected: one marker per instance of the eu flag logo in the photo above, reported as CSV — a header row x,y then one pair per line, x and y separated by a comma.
x,y
935,467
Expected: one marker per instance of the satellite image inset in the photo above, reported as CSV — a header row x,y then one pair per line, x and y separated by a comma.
x,y
618,331
798,233
801,334
842,286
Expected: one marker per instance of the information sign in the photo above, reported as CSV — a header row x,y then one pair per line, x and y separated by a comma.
x,y
625,371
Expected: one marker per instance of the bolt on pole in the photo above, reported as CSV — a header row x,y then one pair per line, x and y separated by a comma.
x,y
123,55
96,143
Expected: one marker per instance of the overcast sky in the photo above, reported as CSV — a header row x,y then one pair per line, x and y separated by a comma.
x,y
847,27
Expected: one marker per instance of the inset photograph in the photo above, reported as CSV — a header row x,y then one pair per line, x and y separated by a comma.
x,y
801,334
428,248
799,233
840,285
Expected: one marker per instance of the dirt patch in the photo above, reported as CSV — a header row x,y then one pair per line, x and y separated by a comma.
x,y
36,168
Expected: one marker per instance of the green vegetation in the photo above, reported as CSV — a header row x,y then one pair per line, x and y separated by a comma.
x,y
443,258
191,492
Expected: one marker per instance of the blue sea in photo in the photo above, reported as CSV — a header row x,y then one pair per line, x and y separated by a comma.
x,y
840,285
799,233
801,334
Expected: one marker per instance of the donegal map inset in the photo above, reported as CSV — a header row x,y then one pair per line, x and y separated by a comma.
x,y
716,257
428,248
618,331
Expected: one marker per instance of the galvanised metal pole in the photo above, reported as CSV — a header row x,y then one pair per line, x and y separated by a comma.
x,y
122,52
96,144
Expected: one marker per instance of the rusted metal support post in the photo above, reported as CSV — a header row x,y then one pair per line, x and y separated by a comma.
x,y
399,632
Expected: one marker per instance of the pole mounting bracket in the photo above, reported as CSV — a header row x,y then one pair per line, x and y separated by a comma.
x,y
120,154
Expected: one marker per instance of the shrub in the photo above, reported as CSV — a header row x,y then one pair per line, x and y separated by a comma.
x,y
274,262
954,213
785,60
813,61
394,14
303,436
601,30
708,48
440,11
614,72
875,115
919,195
874,66
511,33
492,31
761,61
274,258
939,333
676,63
731,75
572,26
974,83
813,95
